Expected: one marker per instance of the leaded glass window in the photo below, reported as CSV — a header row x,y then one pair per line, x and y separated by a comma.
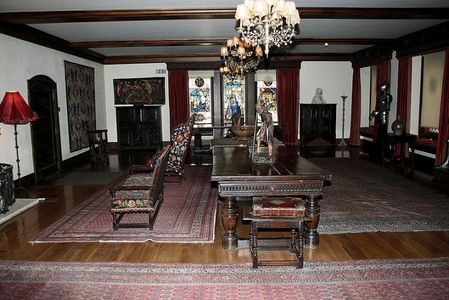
x,y
200,99
234,99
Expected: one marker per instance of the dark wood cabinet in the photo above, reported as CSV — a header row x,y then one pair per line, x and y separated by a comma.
x,y
139,127
317,129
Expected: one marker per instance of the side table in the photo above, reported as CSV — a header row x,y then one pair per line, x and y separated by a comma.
x,y
395,150
7,196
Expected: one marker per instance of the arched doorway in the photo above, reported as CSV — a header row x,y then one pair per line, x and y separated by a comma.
x,y
45,135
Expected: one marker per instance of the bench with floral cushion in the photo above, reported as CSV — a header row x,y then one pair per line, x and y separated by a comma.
x,y
142,192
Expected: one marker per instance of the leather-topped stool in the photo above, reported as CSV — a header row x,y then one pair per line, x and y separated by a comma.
x,y
274,214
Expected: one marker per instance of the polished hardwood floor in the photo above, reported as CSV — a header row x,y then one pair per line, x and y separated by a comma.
x,y
17,232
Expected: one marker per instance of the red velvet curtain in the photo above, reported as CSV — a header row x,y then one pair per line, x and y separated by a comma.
x,y
404,90
287,81
354,136
443,132
178,88
383,73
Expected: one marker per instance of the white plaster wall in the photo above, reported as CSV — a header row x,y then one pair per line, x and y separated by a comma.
x,y
112,72
335,78
415,94
20,61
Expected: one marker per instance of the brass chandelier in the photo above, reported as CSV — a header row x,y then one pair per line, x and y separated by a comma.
x,y
239,57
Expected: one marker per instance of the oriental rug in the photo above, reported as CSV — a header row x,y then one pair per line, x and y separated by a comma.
x,y
365,197
187,215
369,279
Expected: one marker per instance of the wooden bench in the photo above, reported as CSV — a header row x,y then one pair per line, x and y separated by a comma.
x,y
142,192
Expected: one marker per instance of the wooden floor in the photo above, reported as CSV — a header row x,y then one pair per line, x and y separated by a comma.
x,y
16,233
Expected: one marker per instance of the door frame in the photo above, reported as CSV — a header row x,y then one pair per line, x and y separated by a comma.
x,y
43,79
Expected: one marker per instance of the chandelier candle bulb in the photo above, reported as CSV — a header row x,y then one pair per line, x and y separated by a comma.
x,y
224,51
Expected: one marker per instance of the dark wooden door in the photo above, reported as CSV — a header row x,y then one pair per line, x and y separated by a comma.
x,y
45,131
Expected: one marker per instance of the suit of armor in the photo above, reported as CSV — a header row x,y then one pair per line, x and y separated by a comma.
x,y
382,108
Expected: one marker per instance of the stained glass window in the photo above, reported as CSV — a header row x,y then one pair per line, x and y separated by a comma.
x,y
200,99
266,93
234,100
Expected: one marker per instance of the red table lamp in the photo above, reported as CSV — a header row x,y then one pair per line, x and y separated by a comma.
x,y
14,110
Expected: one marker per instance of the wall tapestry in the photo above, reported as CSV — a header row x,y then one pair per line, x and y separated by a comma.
x,y
139,91
80,90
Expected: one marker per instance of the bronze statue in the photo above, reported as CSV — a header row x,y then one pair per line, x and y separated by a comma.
x,y
382,108
266,132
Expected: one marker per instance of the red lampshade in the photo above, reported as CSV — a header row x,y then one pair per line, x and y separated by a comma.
x,y
14,110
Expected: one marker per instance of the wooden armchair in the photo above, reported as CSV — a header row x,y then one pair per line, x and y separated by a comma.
x,y
140,193
181,137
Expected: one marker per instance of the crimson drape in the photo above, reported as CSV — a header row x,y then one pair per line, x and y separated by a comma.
x,y
354,136
404,90
287,81
443,131
383,73
178,89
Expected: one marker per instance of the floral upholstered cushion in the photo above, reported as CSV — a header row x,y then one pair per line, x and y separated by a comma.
x,y
180,140
118,203
136,198
153,160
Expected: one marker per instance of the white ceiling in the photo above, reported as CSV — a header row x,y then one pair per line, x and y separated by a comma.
x,y
190,29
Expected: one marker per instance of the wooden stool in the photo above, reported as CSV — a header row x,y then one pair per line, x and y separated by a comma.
x,y
277,213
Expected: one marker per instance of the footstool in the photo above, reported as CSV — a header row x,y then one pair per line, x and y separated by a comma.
x,y
274,214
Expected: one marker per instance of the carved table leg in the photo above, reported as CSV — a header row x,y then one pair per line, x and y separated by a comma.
x,y
311,236
253,244
229,220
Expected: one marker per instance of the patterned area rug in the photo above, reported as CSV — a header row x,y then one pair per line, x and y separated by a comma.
x,y
187,215
372,279
365,197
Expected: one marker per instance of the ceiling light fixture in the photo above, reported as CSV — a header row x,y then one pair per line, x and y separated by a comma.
x,y
267,22
239,58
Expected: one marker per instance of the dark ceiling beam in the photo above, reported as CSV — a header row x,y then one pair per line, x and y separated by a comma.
x,y
211,42
219,13
200,58
148,43
35,36
134,59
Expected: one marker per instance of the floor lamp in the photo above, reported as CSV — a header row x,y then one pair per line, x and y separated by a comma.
x,y
14,110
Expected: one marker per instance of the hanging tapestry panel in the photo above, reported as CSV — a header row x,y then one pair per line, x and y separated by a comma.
x,y
80,91
139,91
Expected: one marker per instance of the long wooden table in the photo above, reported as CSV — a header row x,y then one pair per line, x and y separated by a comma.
x,y
288,175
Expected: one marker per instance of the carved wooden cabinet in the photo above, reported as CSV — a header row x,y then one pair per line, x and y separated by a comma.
x,y
317,129
139,127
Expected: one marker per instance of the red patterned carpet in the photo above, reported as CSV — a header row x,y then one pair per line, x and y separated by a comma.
x,y
187,215
371,279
